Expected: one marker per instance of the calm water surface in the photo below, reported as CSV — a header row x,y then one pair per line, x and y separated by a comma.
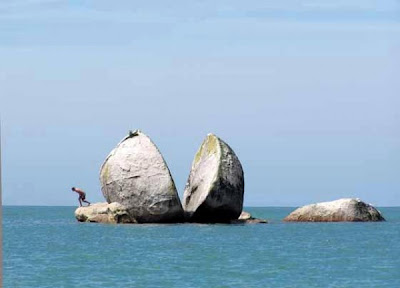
x,y
46,247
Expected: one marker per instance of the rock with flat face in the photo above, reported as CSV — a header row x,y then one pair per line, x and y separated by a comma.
x,y
104,213
348,209
214,191
135,175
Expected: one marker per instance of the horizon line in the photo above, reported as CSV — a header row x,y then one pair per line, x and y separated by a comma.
x,y
23,205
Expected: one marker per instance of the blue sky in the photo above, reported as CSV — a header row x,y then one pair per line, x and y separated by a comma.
x,y
305,92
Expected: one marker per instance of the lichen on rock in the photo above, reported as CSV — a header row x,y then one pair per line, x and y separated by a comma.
x,y
215,187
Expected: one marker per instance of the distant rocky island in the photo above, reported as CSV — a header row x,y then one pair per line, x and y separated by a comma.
x,y
138,187
347,209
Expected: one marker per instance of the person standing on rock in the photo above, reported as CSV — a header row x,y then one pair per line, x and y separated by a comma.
x,y
82,196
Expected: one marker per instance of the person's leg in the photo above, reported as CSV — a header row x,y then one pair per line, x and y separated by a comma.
x,y
80,202
83,197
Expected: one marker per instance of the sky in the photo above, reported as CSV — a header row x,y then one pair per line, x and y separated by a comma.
x,y
305,92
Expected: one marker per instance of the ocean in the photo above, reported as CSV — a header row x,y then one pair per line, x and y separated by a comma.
x,y
47,247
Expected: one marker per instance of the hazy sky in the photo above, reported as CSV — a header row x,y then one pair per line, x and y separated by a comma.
x,y
307,93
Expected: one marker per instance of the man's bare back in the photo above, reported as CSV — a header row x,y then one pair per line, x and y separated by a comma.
x,y
82,196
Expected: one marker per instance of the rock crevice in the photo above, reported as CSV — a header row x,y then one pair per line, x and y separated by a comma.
x,y
138,186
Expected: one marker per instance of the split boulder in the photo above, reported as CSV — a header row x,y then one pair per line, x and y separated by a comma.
x,y
135,175
215,188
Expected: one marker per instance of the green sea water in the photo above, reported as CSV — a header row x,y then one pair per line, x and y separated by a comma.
x,y
47,247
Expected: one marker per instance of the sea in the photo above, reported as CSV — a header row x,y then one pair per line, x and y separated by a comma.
x,y
47,247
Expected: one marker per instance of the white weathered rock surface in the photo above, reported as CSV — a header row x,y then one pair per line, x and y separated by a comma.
x,y
246,218
104,213
136,175
347,209
214,191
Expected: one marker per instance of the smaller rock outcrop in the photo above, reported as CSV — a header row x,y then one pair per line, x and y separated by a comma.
x,y
347,209
246,218
214,190
104,213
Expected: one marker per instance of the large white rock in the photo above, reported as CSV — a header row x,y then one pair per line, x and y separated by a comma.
x,y
136,175
104,213
214,190
347,209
